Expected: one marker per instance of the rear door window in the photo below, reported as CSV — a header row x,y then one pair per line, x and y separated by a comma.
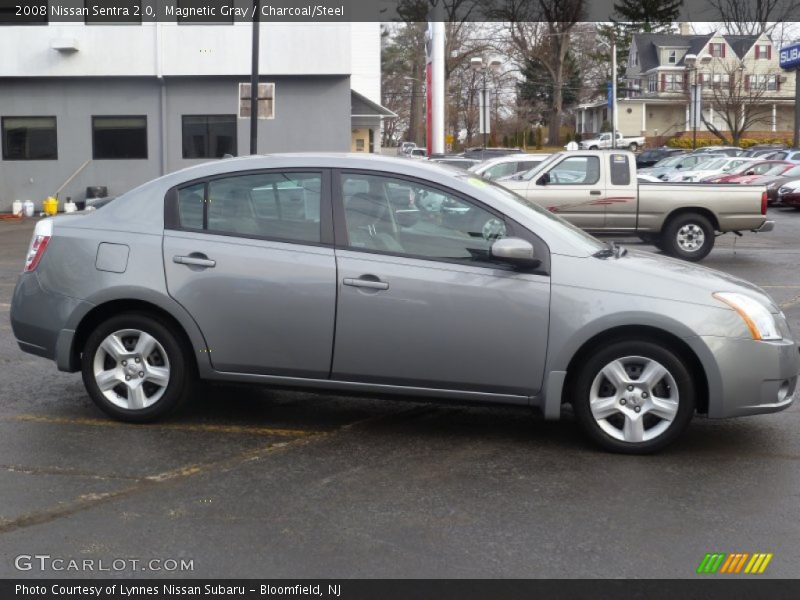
x,y
620,169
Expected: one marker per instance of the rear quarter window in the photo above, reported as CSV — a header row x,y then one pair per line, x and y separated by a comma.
x,y
620,169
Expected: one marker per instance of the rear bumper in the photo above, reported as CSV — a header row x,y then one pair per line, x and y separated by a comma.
x,y
39,320
748,377
765,227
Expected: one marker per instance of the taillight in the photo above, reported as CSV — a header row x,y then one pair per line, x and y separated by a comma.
x,y
41,237
764,202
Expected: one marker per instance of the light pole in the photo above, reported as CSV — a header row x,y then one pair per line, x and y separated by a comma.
x,y
692,61
479,66
614,123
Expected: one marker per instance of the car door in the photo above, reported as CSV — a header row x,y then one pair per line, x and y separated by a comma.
x,y
622,193
421,303
574,188
250,257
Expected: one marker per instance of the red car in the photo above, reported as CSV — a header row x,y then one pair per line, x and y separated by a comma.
x,y
752,171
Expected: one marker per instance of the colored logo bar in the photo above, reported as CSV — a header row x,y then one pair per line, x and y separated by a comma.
x,y
735,563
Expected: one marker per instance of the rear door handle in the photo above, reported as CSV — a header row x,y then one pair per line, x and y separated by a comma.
x,y
196,261
595,193
366,283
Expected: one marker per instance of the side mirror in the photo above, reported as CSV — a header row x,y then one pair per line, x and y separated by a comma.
x,y
515,251
544,179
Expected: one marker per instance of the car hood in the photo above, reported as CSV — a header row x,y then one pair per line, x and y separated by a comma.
x,y
668,278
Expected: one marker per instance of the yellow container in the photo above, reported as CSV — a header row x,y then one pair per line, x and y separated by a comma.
x,y
50,206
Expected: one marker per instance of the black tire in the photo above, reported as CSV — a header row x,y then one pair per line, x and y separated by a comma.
x,y
181,376
633,146
687,223
593,148
581,384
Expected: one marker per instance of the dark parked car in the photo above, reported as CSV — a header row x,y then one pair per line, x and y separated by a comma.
x,y
760,150
726,150
775,182
650,157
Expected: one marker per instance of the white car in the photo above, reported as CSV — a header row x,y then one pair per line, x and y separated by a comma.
x,y
504,166
709,168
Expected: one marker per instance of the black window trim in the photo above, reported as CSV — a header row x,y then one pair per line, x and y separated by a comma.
x,y
3,134
235,134
146,136
172,218
516,229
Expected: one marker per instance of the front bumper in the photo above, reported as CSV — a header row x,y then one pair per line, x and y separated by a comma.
x,y
789,199
748,377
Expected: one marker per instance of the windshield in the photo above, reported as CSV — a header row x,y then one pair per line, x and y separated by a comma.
x,y
716,163
793,172
577,236
528,175
776,170
742,168
669,162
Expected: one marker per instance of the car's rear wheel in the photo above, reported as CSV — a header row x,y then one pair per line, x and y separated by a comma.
x,y
633,146
135,368
633,397
688,236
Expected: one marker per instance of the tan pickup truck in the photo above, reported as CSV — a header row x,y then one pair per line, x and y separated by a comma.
x,y
598,191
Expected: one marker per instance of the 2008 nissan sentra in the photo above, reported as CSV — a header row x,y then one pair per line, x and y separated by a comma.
x,y
386,276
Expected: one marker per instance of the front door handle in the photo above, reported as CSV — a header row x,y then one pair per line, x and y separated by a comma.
x,y
595,193
371,284
195,261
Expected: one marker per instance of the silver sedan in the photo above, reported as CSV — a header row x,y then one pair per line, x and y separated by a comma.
x,y
386,276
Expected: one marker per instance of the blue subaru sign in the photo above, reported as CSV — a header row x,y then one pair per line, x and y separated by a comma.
x,y
790,57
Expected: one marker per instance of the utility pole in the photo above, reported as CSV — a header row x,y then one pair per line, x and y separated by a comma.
x,y
614,119
254,80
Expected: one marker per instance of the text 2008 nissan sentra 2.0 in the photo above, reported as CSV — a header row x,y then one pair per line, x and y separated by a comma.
x,y
378,275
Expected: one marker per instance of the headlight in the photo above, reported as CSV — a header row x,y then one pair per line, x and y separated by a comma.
x,y
755,315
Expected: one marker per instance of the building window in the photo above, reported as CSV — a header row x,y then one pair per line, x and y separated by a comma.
x,y
672,57
29,138
764,82
634,59
119,137
763,51
266,100
673,82
652,84
717,50
720,80
209,136
130,11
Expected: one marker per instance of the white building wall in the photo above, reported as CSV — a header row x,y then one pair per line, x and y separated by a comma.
x,y
108,50
365,59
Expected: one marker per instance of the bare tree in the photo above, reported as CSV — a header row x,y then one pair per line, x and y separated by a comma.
x,y
541,31
738,100
753,17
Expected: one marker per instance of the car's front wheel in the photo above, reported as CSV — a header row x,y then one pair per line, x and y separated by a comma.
x,y
633,397
135,368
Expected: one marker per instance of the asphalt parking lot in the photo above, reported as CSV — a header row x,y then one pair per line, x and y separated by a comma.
x,y
249,482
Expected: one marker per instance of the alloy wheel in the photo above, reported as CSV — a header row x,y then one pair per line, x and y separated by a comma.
x,y
131,369
634,399
691,237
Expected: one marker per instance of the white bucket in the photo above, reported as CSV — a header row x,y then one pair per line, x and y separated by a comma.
x,y
27,207
16,207
70,207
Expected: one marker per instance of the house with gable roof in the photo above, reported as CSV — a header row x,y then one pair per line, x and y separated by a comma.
x,y
654,95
